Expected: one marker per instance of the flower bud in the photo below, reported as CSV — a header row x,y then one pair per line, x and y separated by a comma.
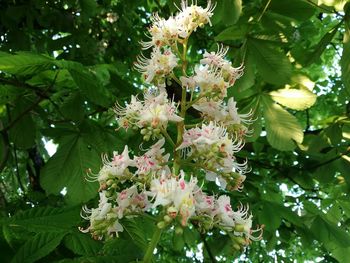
x,y
167,219
172,211
236,247
239,228
161,224
240,240
109,182
179,231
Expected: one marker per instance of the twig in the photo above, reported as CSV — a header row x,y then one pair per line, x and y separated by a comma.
x,y
330,160
21,115
15,155
41,96
264,10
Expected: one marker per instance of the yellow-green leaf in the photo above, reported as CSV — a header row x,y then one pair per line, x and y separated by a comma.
x,y
296,99
282,128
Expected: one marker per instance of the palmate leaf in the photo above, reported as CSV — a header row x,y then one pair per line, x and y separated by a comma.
x,y
88,83
24,63
38,247
9,93
248,79
296,99
135,232
282,128
82,244
235,32
46,219
321,46
227,11
329,234
67,168
272,213
295,9
273,66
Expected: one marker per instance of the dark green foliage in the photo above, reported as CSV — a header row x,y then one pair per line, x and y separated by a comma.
x,y
63,65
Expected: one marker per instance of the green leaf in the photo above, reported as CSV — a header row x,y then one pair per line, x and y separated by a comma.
x,y
82,244
38,247
123,250
104,139
235,32
248,79
227,11
89,7
295,9
296,99
88,82
135,233
341,254
343,167
91,87
270,217
24,63
191,236
178,242
273,66
345,59
321,46
9,93
334,133
46,219
73,108
282,128
23,132
67,168
329,234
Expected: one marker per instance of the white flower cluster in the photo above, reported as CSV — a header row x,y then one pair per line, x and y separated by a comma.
x,y
154,185
214,75
167,32
212,149
151,115
171,184
226,114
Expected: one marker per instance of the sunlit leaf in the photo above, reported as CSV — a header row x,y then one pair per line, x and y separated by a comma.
x,y
283,129
296,99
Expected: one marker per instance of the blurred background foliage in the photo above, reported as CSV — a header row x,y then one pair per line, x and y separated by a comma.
x,y
63,65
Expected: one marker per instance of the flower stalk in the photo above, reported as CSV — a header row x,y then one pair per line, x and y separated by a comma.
x,y
152,245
